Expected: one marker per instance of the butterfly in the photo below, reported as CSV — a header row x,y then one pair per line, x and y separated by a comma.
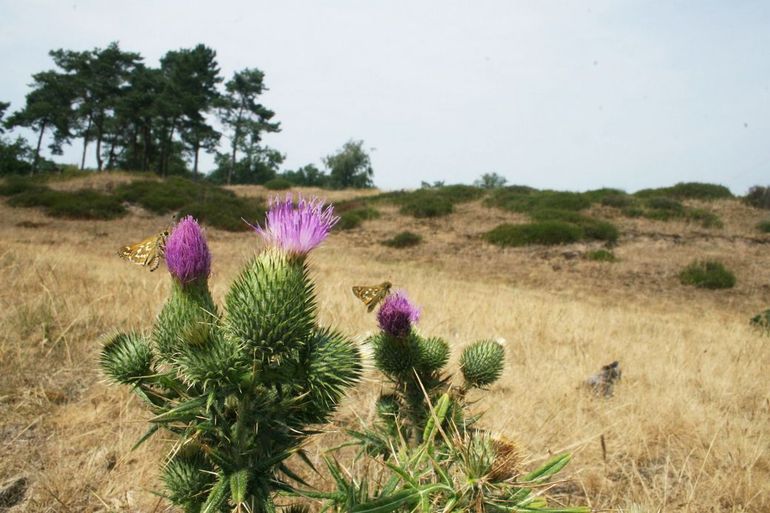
x,y
147,252
371,296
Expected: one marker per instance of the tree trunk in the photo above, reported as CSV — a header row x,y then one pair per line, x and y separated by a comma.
x,y
111,156
168,146
37,149
85,143
145,147
232,157
99,136
197,148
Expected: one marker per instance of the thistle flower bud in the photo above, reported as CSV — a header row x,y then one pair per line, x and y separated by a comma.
x,y
187,254
397,314
298,229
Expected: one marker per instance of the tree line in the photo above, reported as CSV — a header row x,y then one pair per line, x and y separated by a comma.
x,y
133,116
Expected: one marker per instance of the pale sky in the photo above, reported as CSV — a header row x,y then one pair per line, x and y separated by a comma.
x,y
564,95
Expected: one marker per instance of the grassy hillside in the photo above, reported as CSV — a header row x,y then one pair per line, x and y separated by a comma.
x,y
687,428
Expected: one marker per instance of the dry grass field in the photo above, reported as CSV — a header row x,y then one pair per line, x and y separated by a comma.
x,y
688,429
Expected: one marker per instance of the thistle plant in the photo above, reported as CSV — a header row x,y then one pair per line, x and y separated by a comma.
x,y
415,365
427,454
239,389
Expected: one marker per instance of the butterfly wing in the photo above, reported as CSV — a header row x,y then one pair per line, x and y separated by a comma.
x,y
372,295
147,252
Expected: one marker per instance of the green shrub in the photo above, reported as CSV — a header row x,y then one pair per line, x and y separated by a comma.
x,y
601,255
226,213
633,212
593,229
353,217
688,190
600,230
162,197
82,204
758,197
598,195
85,204
212,205
403,240
544,232
618,201
701,191
764,226
427,205
524,199
664,203
707,274
706,218
460,193
348,221
38,196
761,321
16,185
278,184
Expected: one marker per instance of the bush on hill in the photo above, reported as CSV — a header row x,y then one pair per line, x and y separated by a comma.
x,y
544,232
352,214
764,226
278,184
688,190
758,197
601,255
593,229
403,240
707,274
82,204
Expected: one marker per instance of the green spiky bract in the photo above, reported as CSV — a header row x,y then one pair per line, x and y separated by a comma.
x,y
240,391
127,358
482,363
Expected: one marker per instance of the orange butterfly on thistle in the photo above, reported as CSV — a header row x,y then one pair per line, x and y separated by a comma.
x,y
373,294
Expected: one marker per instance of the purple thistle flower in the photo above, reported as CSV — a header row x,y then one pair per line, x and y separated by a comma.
x,y
297,229
397,314
187,254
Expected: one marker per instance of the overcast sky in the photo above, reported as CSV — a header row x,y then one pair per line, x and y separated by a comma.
x,y
567,95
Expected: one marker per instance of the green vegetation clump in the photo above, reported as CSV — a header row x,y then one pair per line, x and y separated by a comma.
x,y
353,214
543,232
278,184
618,200
82,204
208,203
524,199
706,218
403,240
758,197
593,229
427,205
16,185
665,204
762,321
764,226
688,190
601,255
707,274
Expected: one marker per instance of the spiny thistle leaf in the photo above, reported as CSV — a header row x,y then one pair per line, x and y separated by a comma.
x,y
239,484
127,358
271,305
217,496
482,362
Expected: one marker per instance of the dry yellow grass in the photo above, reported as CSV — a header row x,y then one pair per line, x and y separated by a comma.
x,y
687,430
